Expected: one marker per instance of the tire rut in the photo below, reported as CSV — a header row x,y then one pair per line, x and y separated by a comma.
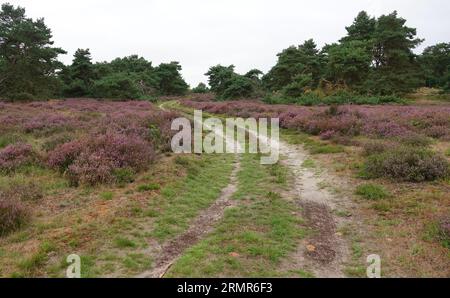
x,y
202,225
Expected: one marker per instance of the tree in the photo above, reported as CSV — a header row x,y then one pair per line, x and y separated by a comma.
x,y
295,61
219,77
298,87
201,88
435,62
170,81
395,65
238,87
348,63
116,85
79,76
362,29
229,85
28,61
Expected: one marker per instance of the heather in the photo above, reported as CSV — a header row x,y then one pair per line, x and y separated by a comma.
x,y
87,141
405,122
13,214
395,140
15,156
407,164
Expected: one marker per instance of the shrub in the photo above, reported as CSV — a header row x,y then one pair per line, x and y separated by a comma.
x,y
444,231
407,164
415,140
65,154
8,139
25,191
15,156
439,230
107,195
123,175
96,158
376,147
56,140
371,192
13,214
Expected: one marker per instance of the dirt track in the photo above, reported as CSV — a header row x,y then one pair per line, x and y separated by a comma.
x,y
324,252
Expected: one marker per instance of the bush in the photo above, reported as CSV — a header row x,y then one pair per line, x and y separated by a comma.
x,y
25,191
201,88
21,96
97,158
376,147
64,155
56,140
118,85
15,156
407,164
372,192
13,214
444,231
148,187
8,139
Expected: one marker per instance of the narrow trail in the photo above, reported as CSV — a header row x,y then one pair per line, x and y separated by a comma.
x,y
324,252
202,225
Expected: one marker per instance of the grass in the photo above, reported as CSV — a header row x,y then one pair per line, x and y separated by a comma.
x,y
312,145
36,260
309,163
253,238
148,187
107,195
372,192
432,232
122,242
179,202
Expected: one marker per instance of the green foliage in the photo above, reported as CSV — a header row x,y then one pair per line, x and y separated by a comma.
x,y
299,85
28,61
79,76
148,187
293,62
372,192
435,62
348,63
170,81
341,97
116,85
375,58
228,85
201,88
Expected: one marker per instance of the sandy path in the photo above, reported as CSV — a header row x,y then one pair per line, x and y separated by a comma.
x,y
325,252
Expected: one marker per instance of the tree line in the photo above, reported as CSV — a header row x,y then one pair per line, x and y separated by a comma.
x,y
375,59
29,68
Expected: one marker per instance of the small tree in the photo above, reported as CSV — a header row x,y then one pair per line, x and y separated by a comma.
x,y
80,75
201,88
170,80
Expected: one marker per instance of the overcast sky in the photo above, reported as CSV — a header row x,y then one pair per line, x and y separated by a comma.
x,y
202,33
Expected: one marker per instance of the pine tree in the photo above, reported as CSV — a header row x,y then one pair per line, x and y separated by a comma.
x,y
28,61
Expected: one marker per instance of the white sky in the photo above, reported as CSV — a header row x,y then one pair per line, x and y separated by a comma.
x,y
202,33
